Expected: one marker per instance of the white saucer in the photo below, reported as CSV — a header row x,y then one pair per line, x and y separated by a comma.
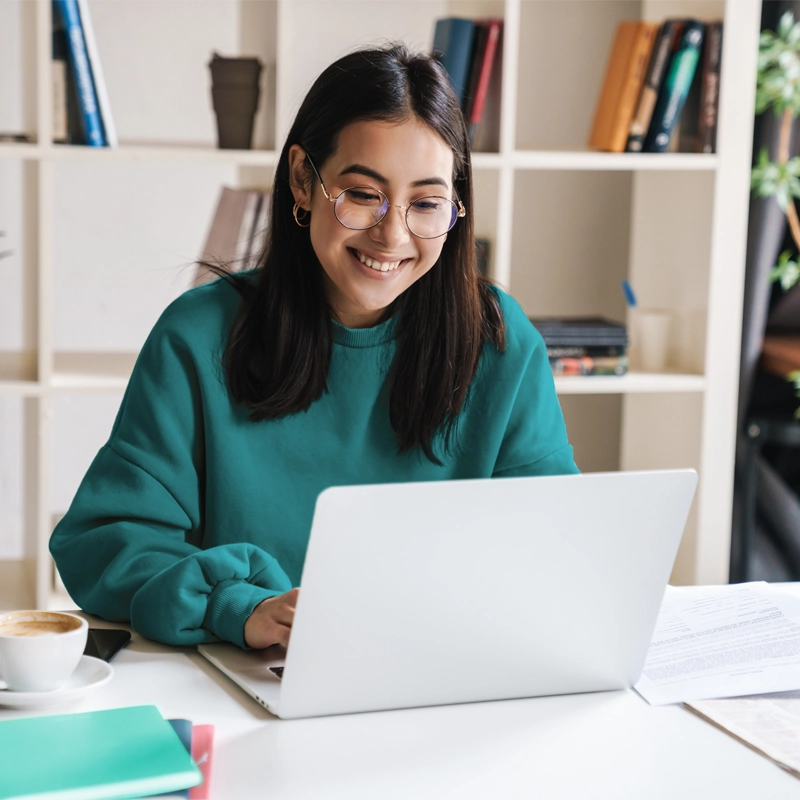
x,y
89,674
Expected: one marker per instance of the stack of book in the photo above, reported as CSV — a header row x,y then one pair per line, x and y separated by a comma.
x,y
661,88
237,234
81,109
584,345
113,753
470,52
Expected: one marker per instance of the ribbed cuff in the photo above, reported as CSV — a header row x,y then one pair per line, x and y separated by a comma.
x,y
230,603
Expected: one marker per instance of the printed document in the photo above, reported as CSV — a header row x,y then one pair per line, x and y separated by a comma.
x,y
722,641
768,723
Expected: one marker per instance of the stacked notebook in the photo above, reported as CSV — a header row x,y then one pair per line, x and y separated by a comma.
x,y
116,753
584,345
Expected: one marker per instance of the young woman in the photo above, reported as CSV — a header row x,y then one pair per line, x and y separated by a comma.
x,y
365,349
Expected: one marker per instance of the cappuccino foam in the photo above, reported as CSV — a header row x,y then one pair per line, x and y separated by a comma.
x,y
36,627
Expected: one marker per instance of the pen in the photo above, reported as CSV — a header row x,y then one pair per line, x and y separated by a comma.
x,y
630,296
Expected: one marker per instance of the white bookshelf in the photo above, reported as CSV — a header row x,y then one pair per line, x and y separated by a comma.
x,y
566,225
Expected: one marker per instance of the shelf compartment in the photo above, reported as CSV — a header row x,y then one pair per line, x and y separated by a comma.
x,y
631,383
92,372
118,264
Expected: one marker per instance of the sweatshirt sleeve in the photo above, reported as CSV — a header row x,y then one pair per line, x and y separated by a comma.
x,y
130,546
535,439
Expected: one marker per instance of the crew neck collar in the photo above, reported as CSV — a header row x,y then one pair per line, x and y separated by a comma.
x,y
365,337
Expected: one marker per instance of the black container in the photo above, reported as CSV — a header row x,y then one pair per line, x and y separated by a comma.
x,y
235,94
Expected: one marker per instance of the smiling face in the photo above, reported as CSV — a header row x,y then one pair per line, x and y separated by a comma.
x,y
365,271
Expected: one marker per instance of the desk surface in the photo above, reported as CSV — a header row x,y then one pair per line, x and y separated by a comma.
x,y
603,745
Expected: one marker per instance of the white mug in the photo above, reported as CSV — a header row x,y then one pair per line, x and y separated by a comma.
x,y
39,650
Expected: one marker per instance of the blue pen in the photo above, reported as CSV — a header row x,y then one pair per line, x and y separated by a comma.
x,y
630,297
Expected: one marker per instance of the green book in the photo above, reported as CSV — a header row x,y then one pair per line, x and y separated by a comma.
x,y
117,753
675,88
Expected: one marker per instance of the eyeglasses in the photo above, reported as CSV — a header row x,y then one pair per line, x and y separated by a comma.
x,y
362,207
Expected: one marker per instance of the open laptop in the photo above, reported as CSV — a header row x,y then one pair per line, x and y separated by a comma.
x,y
418,594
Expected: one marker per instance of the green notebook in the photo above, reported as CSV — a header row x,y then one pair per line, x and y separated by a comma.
x,y
118,753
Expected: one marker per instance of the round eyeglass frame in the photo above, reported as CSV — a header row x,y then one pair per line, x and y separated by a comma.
x,y
459,207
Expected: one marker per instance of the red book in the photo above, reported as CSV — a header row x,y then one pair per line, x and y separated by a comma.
x,y
484,68
202,750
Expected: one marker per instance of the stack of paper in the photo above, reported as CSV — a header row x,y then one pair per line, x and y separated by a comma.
x,y
740,643
768,723
722,641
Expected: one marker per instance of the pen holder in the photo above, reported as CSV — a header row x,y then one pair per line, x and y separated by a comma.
x,y
649,334
234,94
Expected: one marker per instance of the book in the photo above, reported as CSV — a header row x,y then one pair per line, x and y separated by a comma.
x,y
69,102
581,331
591,351
709,89
624,77
98,77
79,62
479,40
656,71
452,46
672,97
487,37
75,134
485,135
202,751
59,76
588,365
236,234
183,730
684,137
114,753
199,743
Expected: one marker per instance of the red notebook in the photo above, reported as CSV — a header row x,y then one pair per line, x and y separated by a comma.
x,y
202,750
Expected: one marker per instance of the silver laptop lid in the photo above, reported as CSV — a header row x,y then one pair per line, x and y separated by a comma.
x,y
430,593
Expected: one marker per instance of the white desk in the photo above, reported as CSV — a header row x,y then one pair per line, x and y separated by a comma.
x,y
606,745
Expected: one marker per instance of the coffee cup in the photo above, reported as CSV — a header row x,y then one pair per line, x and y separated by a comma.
x,y
39,650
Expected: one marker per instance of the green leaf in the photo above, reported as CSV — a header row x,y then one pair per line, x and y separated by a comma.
x,y
778,80
785,24
794,378
786,271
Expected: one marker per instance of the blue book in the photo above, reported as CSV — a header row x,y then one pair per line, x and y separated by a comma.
x,y
675,88
183,727
452,45
82,71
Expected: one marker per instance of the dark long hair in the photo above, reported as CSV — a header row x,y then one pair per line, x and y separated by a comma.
x,y
280,347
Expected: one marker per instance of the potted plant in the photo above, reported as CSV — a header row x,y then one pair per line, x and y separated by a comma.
x,y
778,88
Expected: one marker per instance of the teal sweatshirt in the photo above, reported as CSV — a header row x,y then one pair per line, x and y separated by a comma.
x,y
192,514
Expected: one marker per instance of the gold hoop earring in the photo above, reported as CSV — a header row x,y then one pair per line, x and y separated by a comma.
x,y
305,221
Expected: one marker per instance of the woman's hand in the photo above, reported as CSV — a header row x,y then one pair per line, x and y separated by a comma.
x,y
271,621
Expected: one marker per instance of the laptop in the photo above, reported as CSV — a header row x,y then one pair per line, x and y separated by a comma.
x,y
420,594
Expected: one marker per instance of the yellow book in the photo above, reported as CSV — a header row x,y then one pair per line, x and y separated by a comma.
x,y
625,73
